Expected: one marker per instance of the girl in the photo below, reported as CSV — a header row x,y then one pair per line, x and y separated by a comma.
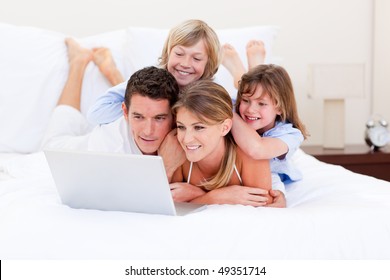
x,y
268,126
191,52
216,170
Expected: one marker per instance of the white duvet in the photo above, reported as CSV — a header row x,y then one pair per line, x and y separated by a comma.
x,y
332,214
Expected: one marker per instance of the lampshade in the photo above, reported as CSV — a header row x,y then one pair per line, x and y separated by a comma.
x,y
336,81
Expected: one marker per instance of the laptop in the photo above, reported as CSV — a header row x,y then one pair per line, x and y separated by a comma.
x,y
114,182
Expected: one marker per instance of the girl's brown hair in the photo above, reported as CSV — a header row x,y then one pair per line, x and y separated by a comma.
x,y
277,84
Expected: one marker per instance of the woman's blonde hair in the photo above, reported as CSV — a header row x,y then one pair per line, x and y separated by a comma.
x,y
212,105
188,33
277,84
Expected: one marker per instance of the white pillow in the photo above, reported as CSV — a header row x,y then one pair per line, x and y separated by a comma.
x,y
145,46
33,71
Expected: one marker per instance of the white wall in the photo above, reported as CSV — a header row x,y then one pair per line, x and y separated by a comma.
x,y
312,32
381,77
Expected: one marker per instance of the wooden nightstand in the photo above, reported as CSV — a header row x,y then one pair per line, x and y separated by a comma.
x,y
357,158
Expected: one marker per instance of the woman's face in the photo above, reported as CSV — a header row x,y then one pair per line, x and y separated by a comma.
x,y
199,140
258,110
187,64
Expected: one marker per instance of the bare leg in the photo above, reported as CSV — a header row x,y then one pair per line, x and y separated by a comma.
x,y
79,58
233,63
105,62
255,52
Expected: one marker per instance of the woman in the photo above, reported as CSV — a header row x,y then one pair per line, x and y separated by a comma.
x,y
216,171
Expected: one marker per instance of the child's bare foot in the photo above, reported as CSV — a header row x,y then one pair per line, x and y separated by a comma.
x,y
79,58
77,54
106,64
103,60
255,52
231,60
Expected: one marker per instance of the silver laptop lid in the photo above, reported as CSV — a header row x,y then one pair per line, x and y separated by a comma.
x,y
119,182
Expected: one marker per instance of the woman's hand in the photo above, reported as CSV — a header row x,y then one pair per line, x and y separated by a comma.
x,y
279,199
172,153
235,195
184,192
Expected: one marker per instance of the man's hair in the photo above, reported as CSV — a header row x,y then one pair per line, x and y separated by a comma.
x,y
155,83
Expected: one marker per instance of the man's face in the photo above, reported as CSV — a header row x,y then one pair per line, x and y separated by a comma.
x,y
150,121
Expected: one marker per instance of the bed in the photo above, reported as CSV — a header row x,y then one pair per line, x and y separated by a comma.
x,y
332,213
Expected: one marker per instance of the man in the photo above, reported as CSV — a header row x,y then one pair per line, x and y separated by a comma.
x,y
146,125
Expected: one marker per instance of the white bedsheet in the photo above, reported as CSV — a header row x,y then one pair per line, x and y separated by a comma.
x,y
332,214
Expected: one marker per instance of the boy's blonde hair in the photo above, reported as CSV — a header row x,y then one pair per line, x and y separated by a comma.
x,y
212,105
188,33
277,84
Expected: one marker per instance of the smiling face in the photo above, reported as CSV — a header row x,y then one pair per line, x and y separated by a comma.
x,y
199,140
258,110
150,121
187,64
